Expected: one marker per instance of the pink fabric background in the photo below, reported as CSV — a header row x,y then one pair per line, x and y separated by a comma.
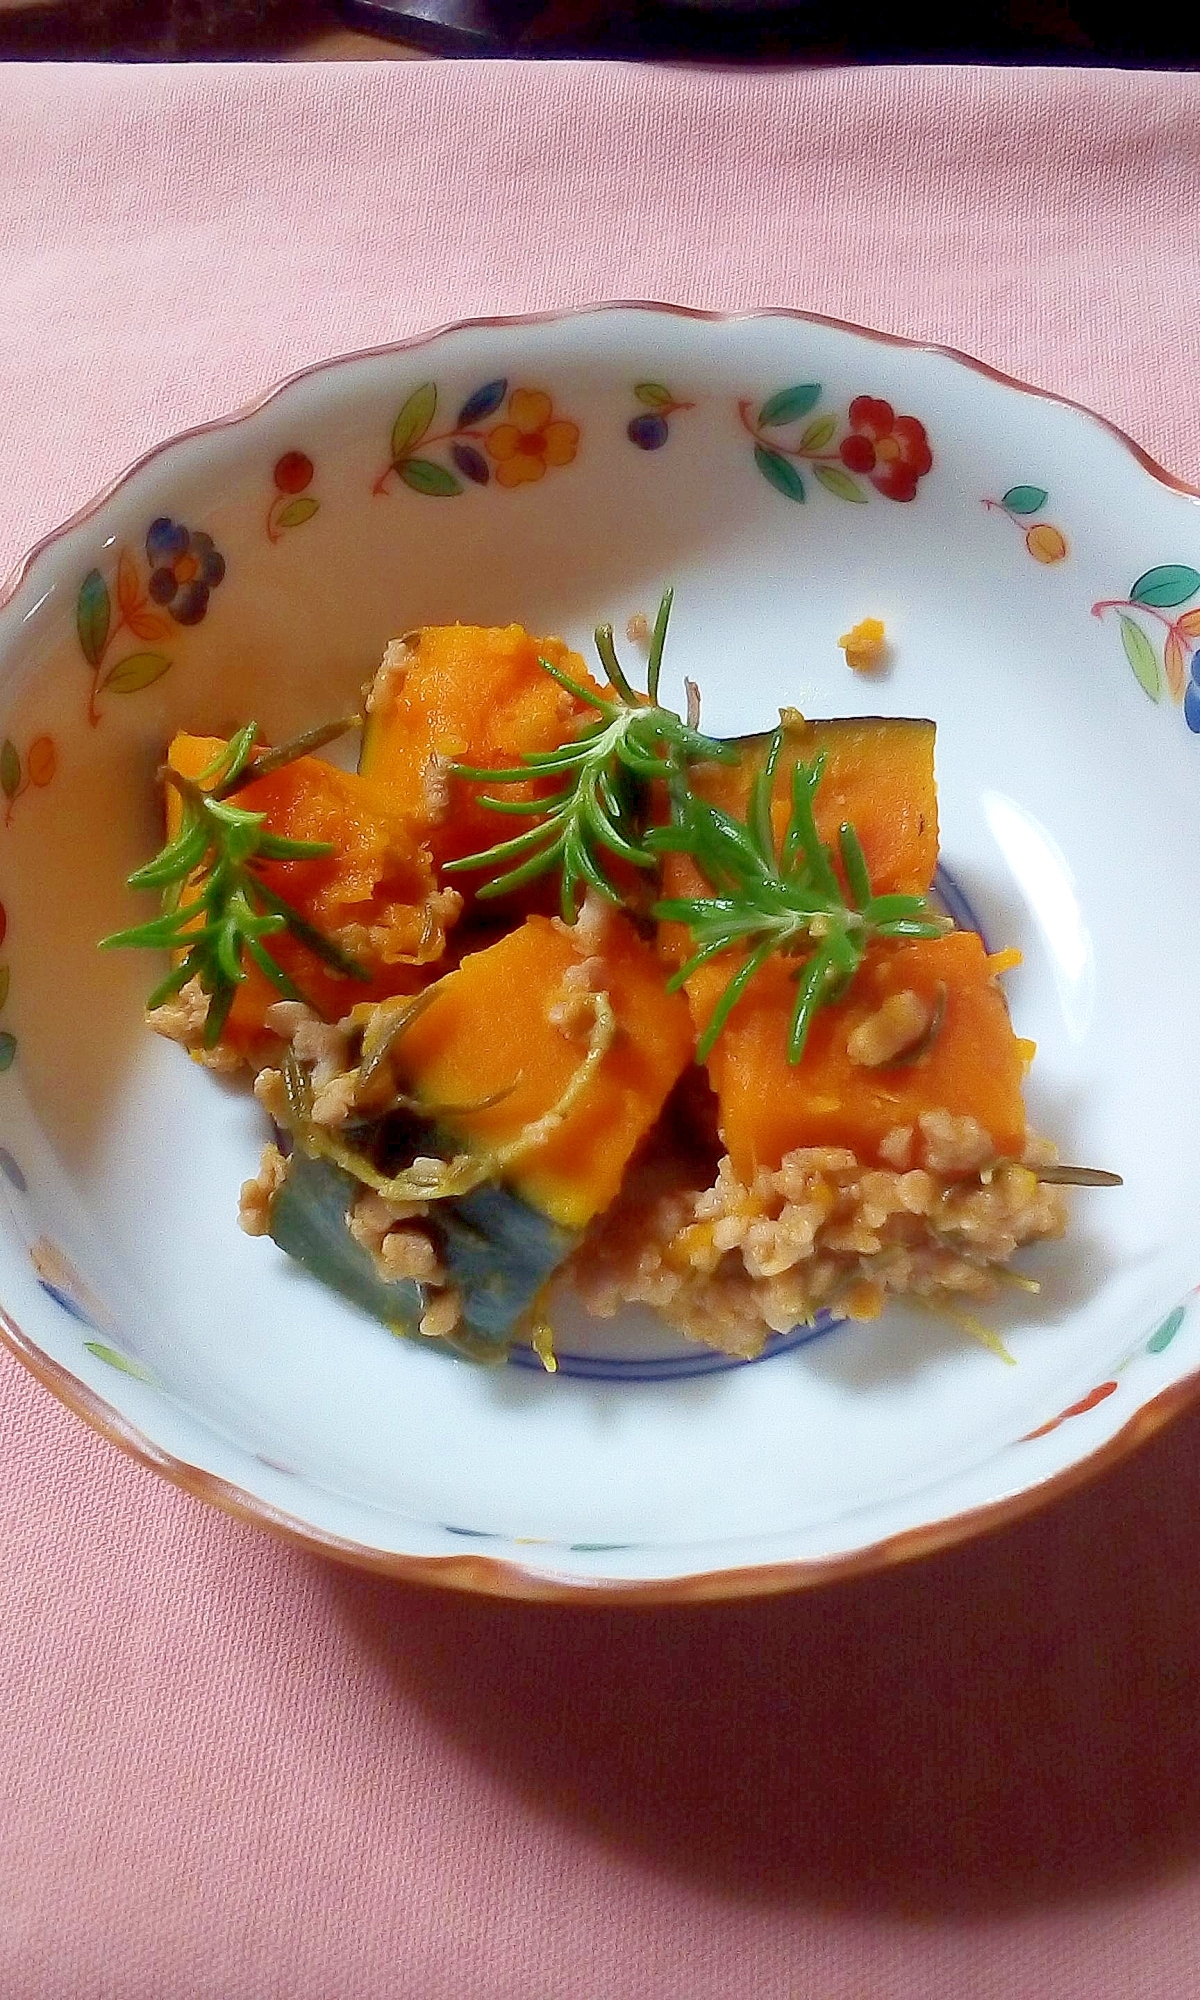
x,y
229,1771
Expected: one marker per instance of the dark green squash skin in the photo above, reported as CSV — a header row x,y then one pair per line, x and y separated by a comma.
x,y
309,1221
496,1248
752,749
499,1252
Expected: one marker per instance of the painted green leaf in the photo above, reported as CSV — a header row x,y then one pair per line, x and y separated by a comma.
x,y
135,672
1142,657
426,477
1025,499
121,1361
835,480
93,610
8,1049
297,512
780,471
10,769
413,421
1168,585
818,434
1166,1332
653,395
5,982
789,404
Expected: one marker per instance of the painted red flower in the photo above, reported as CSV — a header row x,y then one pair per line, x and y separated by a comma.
x,y
892,451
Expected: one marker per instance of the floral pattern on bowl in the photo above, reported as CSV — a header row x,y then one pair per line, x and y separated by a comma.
x,y
1045,542
892,452
292,504
1175,669
651,427
522,447
183,568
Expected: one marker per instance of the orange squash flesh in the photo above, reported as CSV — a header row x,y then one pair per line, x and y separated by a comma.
x,y
768,1107
370,896
468,694
489,1028
878,775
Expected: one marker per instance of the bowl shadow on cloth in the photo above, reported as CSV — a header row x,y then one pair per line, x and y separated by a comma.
x,y
1012,1723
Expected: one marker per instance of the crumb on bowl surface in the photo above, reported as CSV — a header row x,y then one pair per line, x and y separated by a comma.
x,y
865,645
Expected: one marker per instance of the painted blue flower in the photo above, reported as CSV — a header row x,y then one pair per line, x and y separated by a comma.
x,y
184,567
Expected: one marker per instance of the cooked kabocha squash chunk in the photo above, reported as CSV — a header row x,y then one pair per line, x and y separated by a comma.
x,y
508,1033
496,1252
466,694
374,896
923,1032
878,775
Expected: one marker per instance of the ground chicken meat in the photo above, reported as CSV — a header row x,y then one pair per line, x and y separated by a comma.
x,y
408,1251
334,1101
271,1092
254,1207
574,1014
183,1018
324,1044
953,1145
730,1263
374,1214
891,1031
442,1314
389,678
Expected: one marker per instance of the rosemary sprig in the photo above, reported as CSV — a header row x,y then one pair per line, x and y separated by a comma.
x,y
233,911
304,745
601,806
790,901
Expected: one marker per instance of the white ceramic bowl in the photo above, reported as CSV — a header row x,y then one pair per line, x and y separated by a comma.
x,y
1040,580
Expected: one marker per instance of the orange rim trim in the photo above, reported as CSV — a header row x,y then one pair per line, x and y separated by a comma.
x,y
489,1576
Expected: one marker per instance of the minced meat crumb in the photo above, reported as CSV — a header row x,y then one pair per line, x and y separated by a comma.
x,y
183,1018
731,1263
254,1207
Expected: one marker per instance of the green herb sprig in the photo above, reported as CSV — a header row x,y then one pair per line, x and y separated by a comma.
x,y
606,769
233,911
787,900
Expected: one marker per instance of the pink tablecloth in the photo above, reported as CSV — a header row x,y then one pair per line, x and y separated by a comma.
x,y
230,1772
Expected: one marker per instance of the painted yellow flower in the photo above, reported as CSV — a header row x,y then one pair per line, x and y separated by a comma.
x,y
532,439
